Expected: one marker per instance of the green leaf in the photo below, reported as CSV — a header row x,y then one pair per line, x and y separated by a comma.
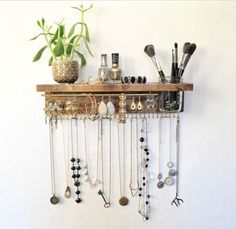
x,y
71,45
43,22
72,30
39,54
76,8
82,59
62,30
87,46
34,38
50,61
86,33
59,49
39,24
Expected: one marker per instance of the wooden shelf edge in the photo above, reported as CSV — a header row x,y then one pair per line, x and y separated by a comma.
x,y
114,88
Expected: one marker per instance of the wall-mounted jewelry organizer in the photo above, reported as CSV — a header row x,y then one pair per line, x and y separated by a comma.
x,y
82,99
74,104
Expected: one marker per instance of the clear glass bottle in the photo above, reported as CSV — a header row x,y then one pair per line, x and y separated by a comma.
x,y
103,71
115,71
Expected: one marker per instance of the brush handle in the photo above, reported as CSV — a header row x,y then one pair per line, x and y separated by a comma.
x,y
162,76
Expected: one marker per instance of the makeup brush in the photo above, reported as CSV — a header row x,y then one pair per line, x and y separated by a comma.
x,y
176,60
150,51
172,79
191,50
185,53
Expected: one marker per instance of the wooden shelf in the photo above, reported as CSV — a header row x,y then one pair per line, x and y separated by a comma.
x,y
112,88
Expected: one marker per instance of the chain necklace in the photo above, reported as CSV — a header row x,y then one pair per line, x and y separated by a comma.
x,y
133,190
67,192
169,179
54,199
160,183
123,201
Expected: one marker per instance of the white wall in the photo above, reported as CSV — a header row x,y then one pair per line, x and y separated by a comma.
x,y
208,167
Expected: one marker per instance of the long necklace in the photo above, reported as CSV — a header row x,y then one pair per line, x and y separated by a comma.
x,y
54,199
133,190
160,183
75,159
177,201
144,205
87,167
169,179
123,201
67,192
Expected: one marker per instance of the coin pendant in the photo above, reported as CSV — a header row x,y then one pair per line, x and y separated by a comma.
x,y
169,181
160,184
123,201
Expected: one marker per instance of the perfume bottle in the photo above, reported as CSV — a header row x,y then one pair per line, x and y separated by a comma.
x,y
115,71
103,71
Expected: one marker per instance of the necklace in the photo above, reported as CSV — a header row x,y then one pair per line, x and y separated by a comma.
x,y
67,192
123,201
75,160
144,206
169,179
160,183
54,199
177,200
133,190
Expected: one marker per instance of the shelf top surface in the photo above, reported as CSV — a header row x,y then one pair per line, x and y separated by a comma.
x,y
114,88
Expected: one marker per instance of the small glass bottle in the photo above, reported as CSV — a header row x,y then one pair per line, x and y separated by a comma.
x,y
115,71
103,71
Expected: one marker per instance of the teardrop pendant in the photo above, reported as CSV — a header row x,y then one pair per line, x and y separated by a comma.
x,y
102,109
67,193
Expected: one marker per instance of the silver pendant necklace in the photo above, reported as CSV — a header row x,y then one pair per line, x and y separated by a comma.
x,y
171,173
54,199
160,183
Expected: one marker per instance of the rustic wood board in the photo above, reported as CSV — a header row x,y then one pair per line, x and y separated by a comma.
x,y
113,88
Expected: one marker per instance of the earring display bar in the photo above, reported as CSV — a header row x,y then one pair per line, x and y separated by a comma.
x,y
84,99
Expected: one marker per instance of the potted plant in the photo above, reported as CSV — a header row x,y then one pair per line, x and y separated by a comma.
x,y
63,47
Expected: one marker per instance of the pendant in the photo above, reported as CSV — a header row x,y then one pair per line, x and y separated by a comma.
x,y
54,199
172,172
67,193
123,201
160,184
169,181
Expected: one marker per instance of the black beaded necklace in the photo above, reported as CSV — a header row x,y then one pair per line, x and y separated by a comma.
x,y
144,206
75,160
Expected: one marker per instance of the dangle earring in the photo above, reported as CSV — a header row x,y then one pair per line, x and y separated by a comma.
x,y
169,179
133,106
110,108
102,109
140,105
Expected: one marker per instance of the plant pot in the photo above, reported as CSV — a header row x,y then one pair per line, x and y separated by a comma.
x,y
65,71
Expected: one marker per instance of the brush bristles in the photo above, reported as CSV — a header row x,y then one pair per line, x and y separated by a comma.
x,y
192,48
149,50
186,47
176,45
